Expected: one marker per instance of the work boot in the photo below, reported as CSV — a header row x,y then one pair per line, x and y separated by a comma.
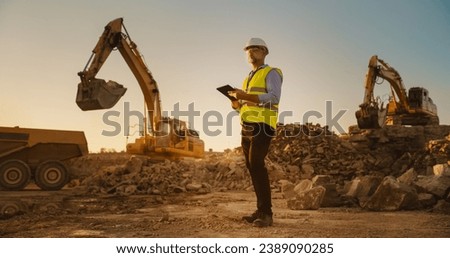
x,y
251,218
263,220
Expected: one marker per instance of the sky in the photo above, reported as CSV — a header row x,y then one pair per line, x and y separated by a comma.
x,y
193,47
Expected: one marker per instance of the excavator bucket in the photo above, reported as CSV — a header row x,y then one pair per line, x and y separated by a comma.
x,y
99,94
370,117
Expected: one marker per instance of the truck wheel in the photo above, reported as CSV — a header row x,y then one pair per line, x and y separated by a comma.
x,y
51,175
12,208
14,174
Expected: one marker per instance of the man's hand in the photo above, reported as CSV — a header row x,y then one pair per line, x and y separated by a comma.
x,y
236,93
235,104
242,95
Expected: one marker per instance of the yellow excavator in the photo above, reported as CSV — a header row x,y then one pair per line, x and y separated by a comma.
x,y
414,108
163,136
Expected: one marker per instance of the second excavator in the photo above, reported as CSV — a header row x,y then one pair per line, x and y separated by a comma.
x,y
414,108
163,136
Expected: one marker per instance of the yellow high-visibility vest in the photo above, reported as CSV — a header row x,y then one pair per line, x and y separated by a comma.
x,y
256,112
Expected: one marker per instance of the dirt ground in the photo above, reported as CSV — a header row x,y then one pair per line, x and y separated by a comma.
x,y
65,213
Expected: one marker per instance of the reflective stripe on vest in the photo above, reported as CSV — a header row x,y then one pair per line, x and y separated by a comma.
x,y
258,112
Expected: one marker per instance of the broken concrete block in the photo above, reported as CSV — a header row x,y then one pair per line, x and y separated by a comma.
x,y
331,198
354,187
362,187
287,189
321,180
307,200
408,177
426,200
303,186
441,170
437,185
391,195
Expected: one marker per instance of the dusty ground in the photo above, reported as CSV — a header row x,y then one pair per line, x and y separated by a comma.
x,y
217,215
125,196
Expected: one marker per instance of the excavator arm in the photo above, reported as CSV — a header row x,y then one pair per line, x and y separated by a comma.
x,y
372,114
94,94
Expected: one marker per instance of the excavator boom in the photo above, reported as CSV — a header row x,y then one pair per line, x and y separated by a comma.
x,y
371,113
96,94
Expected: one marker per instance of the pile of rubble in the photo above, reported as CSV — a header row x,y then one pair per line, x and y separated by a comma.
x,y
386,169
389,151
124,174
393,168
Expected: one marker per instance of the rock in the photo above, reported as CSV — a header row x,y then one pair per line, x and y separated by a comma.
x,y
426,200
363,187
307,200
442,207
353,188
293,169
402,163
178,189
156,192
408,177
134,165
193,187
321,180
287,189
320,150
436,185
208,188
441,170
307,170
303,186
331,197
130,190
391,195
276,172
297,152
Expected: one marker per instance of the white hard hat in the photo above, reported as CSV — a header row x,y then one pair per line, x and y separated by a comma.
x,y
256,42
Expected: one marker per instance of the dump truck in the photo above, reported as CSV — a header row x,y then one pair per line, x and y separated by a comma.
x,y
28,154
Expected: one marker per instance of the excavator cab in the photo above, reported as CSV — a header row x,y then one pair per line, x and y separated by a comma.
x,y
99,94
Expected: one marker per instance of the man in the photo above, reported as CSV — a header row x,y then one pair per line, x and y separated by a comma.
x,y
257,104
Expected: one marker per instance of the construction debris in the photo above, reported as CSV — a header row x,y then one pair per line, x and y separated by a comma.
x,y
382,170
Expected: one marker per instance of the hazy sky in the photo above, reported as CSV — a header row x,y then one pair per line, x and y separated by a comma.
x,y
192,47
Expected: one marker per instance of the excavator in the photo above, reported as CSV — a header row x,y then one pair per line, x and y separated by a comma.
x,y
414,108
163,137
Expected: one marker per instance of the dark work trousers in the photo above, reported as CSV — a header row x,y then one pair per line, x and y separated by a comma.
x,y
256,138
